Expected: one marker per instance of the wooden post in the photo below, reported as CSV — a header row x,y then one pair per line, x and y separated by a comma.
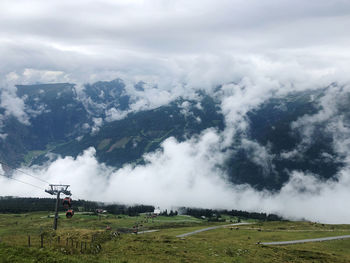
x,y
72,242
58,240
67,242
41,240
28,241
81,247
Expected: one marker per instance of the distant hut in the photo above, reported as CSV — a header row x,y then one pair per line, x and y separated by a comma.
x,y
156,211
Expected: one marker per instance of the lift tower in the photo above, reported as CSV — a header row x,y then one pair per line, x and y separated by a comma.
x,y
57,189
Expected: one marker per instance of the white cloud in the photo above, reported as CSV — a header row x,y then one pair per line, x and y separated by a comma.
x,y
260,155
13,105
97,123
114,114
186,174
43,76
199,43
331,118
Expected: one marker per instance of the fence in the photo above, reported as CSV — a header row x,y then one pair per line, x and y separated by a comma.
x,y
67,245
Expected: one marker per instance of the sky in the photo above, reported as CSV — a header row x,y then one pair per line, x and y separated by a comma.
x,y
267,46
197,42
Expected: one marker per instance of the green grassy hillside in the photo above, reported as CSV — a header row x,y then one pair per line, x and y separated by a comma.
x,y
84,238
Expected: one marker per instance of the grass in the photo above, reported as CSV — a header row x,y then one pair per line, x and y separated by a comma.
x,y
32,155
103,144
120,143
227,244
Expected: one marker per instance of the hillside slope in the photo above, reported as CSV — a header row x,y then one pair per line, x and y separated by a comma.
x,y
285,133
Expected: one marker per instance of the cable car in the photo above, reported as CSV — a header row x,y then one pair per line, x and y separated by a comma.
x,y
70,213
67,202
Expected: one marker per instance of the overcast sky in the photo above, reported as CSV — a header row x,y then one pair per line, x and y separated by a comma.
x,y
169,41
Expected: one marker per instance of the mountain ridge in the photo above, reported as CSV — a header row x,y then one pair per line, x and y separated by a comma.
x,y
65,122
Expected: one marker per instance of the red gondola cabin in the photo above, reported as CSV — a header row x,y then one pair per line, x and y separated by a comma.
x,y
70,213
67,202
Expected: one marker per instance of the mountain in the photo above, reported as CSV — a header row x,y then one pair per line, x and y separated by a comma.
x,y
55,116
272,148
66,119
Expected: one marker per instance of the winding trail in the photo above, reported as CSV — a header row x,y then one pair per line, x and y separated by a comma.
x,y
209,228
148,231
304,241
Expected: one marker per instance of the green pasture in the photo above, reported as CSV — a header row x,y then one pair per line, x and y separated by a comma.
x,y
85,238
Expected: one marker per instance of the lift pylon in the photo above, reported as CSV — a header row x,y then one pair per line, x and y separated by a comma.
x,y
57,189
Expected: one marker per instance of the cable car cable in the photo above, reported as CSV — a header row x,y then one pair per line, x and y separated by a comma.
x,y
22,182
1,162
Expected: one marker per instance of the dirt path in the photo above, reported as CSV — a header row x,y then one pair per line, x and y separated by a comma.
x,y
148,231
209,228
304,240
